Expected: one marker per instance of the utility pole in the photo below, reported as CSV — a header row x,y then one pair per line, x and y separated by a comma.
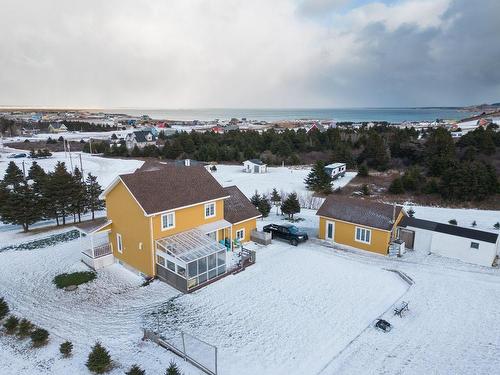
x,y
81,165
70,159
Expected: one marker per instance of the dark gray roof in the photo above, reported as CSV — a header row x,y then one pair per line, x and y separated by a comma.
x,y
452,230
359,211
237,207
172,186
256,161
90,226
140,135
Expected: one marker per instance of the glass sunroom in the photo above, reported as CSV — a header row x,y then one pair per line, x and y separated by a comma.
x,y
189,259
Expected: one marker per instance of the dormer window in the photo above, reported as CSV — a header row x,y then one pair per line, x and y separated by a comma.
x,y
209,210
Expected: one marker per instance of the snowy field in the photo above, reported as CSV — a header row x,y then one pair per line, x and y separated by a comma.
x,y
284,179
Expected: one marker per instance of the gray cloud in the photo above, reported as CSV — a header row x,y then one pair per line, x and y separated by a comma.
x,y
198,53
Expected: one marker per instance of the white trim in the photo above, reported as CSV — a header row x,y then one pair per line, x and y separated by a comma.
x,y
166,215
190,205
242,221
236,234
119,243
352,223
366,231
209,205
328,222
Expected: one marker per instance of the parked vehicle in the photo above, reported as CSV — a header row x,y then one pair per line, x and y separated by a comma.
x,y
287,232
17,156
383,325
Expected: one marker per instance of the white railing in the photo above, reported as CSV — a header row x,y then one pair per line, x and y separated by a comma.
x,y
98,251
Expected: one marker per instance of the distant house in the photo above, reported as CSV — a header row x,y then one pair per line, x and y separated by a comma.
x,y
317,127
359,223
140,138
483,122
57,128
466,244
218,129
336,170
254,166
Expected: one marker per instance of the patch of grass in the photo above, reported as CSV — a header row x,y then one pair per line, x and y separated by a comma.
x,y
75,278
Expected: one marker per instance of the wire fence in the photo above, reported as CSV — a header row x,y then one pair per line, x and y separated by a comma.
x,y
192,349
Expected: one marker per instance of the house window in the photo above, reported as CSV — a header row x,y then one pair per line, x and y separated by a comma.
x,y
240,234
209,210
363,235
119,243
168,221
474,245
160,260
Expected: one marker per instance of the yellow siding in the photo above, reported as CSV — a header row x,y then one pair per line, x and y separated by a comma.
x,y
187,218
129,221
248,225
345,235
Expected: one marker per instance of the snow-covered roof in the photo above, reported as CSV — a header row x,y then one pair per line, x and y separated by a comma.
x,y
255,161
335,165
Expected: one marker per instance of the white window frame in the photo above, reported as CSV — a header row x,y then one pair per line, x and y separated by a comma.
x,y
362,237
119,243
166,215
208,206
242,230
332,223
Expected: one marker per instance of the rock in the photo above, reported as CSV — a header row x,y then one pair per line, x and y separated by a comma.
x,y
71,288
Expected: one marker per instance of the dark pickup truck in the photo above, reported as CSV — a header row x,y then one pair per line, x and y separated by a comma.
x,y
287,232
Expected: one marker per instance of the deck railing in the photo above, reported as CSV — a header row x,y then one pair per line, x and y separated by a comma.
x,y
99,251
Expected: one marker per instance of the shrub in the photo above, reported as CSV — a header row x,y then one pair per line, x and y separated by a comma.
x,y
474,224
411,212
366,189
4,308
496,225
25,328
11,324
264,207
135,370
363,170
39,337
75,278
396,186
66,348
173,369
453,222
99,360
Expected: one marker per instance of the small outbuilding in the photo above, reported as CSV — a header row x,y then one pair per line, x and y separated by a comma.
x,y
254,166
336,170
466,244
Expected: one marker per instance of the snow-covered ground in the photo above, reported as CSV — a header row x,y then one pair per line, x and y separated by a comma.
x,y
284,179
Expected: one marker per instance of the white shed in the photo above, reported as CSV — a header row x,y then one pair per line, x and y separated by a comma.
x,y
466,244
336,170
254,166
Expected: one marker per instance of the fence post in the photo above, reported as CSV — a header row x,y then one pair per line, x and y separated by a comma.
x,y
183,345
215,360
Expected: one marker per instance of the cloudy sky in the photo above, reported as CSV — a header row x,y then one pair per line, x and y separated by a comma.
x,y
249,54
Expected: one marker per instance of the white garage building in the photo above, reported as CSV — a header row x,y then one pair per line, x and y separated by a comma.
x,y
466,244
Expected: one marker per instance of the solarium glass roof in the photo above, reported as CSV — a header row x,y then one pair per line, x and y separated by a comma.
x,y
190,245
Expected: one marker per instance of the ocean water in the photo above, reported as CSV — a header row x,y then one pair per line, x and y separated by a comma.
x,y
392,115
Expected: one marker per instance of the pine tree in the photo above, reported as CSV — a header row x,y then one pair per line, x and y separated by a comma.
x,y
66,348
4,308
25,328
173,369
20,205
275,199
255,199
135,370
99,360
79,195
264,207
94,190
11,324
13,175
363,170
291,205
396,186
318,180
39,337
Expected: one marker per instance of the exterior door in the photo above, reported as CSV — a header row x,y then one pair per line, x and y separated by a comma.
x,y
408,236
256,169
330,230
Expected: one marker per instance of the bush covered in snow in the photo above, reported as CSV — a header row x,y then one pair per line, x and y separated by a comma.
x,y
66,348
173,369
99,360
39,337
135,370
4,308
76,278
11,324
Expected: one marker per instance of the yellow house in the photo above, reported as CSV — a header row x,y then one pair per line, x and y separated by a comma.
x,y
176,223
359,223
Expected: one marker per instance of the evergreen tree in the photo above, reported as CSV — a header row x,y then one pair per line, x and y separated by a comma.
x,y
94,190
173,369
79,195
264,207
20,205
25,328
135,370
363,170
275,199
255,199
439,151
318,180
396,186
4,308
291,205
11,324
39,337
66,348
60,188
99,360
13,175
